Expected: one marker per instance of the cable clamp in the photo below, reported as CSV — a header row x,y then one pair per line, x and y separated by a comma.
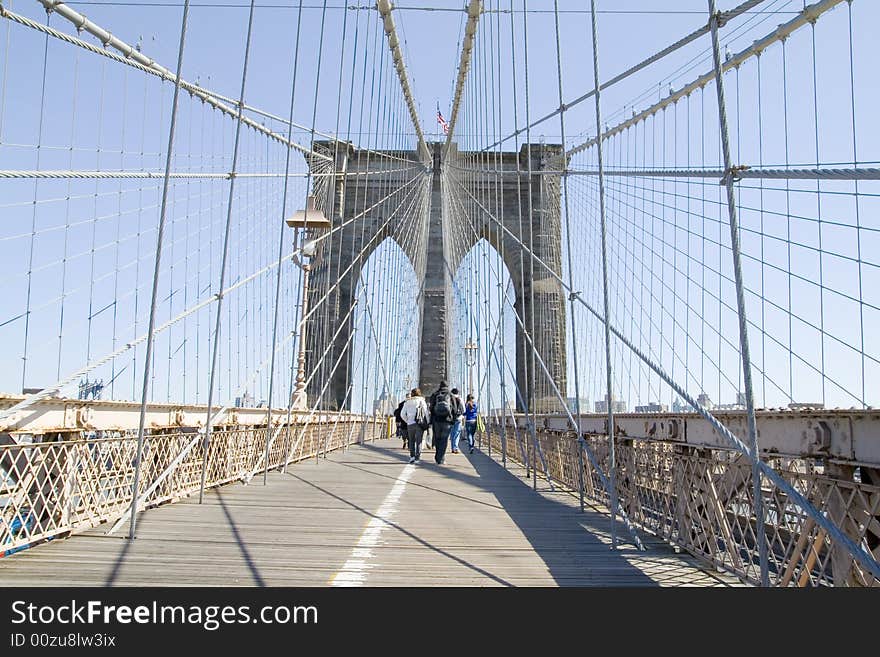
x,y
574,295
733,172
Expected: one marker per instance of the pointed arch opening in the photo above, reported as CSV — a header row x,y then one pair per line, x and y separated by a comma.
x,y
482,344
384,351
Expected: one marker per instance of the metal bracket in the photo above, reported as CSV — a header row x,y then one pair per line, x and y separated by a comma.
x,y
732,174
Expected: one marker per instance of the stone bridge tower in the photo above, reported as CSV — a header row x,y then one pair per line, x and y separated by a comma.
x,y
529,211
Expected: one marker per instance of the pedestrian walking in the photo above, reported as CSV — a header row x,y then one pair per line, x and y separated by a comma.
x,y
401,424
471,414
455,432
415,414
444,412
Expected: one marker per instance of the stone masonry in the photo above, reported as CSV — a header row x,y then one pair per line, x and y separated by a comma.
x,y
534,218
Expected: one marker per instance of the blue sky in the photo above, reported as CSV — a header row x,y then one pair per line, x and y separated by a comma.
x,y
120,122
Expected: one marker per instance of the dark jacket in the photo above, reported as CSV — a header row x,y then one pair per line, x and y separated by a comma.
x,y
457,405
397,418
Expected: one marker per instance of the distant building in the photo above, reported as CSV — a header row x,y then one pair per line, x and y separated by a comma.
x,y
384,405
616,406
584,404
504,410
651,407
704,401
245,401
90,389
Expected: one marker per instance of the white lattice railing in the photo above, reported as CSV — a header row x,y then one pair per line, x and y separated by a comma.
x,y
52,488
701,499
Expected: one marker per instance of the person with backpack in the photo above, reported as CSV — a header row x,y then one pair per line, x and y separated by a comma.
x,y
401,425
471,413
444,413
415,414
455,433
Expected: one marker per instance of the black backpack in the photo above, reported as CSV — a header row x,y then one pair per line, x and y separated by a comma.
x,y
444,407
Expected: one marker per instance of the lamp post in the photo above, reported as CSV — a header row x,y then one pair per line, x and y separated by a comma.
x,y
470,351
299,400
311,217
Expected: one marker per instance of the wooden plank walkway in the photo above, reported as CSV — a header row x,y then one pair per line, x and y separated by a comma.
x,y
364,517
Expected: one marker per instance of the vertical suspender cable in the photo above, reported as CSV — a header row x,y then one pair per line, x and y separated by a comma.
x,y
612,467
312,148
4,75
852,92
298,313
574,342
92,314
818,213
160,231
137,266
740,299
538,452
350,323
530,317
211,377
522,294
115,302
333,188
499,209
27,313
281,232
73,116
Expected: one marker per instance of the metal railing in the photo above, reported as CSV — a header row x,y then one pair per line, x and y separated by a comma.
x,y
51,489
701,499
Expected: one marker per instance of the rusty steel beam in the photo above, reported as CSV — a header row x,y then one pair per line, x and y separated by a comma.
x,y
61,415
845,435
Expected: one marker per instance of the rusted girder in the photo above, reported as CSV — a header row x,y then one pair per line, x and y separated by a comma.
x,y
845,435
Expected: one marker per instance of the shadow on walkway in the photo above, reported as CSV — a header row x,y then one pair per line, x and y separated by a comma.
x,y
242,545
558,532
423,542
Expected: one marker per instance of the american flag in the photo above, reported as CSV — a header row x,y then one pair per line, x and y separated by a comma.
x,y
443,123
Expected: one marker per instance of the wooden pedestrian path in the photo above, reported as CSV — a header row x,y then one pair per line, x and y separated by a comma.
x,y
365,517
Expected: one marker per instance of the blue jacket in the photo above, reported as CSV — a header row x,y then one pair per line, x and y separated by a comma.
x,y
470,412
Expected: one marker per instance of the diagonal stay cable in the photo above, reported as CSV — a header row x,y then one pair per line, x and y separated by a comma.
x,y
594,462
693,36
58,385
767,471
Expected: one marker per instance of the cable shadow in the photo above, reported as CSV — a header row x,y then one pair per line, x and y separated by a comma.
x,y
560,534
565,539
423,542
120,559
252,566
413,484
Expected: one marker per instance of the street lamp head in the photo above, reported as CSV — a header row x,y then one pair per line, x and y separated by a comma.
x,y
470,349
309,249
311,217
